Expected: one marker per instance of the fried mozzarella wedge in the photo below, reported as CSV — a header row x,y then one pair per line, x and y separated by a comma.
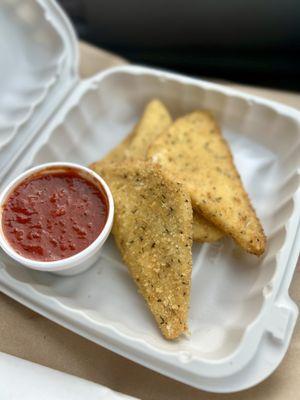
x,y
194,151
153,230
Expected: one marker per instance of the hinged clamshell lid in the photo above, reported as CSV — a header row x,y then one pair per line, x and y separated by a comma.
x,y
39,67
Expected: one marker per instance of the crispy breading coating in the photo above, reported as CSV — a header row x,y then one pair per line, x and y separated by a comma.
x,y
194,151
153,230
204,231
154,121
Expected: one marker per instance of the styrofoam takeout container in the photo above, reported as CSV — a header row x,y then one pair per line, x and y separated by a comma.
x,y
241,317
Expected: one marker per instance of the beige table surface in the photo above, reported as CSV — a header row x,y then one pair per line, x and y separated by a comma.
x,y
26,334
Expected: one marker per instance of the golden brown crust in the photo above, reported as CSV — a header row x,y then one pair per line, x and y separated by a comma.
x,y
204,231
154,121
153,230
194,151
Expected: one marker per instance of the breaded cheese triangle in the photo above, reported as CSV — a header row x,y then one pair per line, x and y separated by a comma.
x,y
154,121
204,231
194,151
153,230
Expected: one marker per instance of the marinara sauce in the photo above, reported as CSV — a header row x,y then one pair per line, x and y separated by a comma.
x,y
54,215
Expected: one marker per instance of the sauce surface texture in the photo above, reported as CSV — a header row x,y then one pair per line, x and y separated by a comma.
x,y
53,215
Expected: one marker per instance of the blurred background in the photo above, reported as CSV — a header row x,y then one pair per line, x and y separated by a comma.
x,y
255,42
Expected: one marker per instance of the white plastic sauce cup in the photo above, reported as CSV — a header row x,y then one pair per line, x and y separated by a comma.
x,y
78,262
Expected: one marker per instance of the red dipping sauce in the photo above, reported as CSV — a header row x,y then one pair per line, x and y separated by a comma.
x,y
54,215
